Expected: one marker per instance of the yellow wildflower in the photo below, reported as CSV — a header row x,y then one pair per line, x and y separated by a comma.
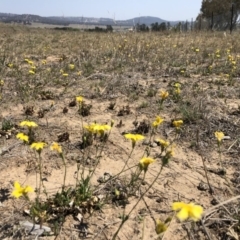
x,y
31,72
101,128
29,124
44,62
1,82
134,138
160,227
30,62
177,91
177,123
38,146
56,147
177,85
163,143
168,155
91,127
219,136
157,122
71,66
186,211
169,152
79,99
10,65
65,74
197,50
97,128
20,190
164,95
144,162
22,137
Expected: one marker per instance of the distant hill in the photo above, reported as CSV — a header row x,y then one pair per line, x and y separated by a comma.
x,y
29,18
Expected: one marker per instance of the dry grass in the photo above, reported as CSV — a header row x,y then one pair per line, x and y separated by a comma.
x,y
120,76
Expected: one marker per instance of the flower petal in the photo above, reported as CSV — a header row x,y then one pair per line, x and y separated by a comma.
x,y
183,214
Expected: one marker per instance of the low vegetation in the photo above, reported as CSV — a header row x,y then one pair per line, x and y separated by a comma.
x,y
119,135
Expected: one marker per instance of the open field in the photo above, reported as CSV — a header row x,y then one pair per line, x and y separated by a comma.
x,y
91,184
75,26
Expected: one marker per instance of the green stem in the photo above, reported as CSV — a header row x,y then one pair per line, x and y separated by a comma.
x,y
65,170
126,163
220,154
125,218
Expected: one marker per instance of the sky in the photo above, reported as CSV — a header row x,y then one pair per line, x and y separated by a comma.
x,y
169,10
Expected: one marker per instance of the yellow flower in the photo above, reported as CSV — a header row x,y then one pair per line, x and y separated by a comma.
x,y
38,146
197,50
31,72
79,73
134,138
144,162
79,99
177,91
168,155
177,123
71,66
169,152
160,227
164,95
29,124
182,71
101,128
44,62
91,127
22,137
219,136
10,65
1,82
162,142
20,190
65,74
30,62
97,128
186,211
157,122
56,147
177,85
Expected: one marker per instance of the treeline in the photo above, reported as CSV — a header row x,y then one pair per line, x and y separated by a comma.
x,y
156,27
108,28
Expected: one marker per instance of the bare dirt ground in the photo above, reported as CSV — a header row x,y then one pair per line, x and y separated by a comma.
x,y
120,77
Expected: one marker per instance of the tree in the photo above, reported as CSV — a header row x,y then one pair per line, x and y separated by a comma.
x,y
155,26
219,13
109,28
163,26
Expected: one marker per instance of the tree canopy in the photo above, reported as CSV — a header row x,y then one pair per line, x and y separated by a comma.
x,y
219,12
